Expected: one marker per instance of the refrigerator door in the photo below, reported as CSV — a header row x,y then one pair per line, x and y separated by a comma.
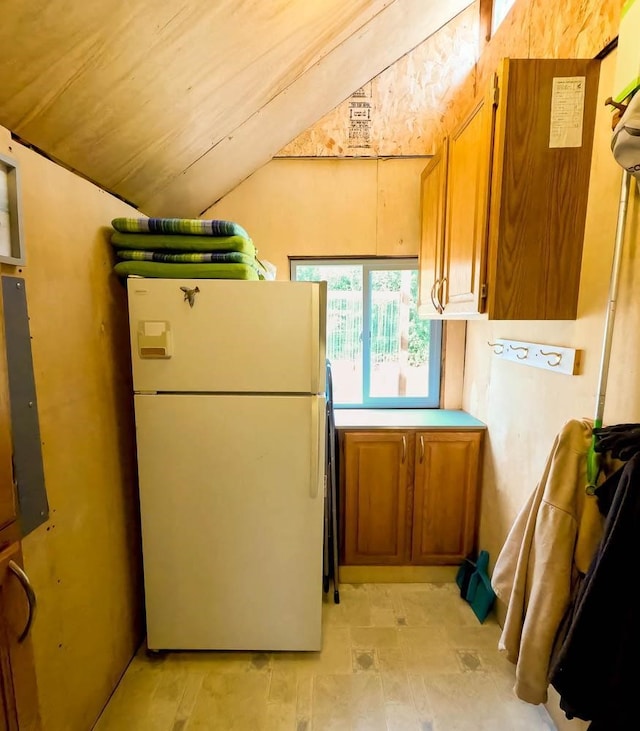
x,y
231,503
226,336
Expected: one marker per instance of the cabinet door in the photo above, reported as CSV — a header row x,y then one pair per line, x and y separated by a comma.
x,y
467,202
433,193
18,694
376,484
543,140
445,496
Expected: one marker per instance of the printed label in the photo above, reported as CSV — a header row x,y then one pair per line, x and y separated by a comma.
x,y
567,111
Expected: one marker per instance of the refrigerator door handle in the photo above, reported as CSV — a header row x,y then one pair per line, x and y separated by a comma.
x,y
318,340
315,449
315,345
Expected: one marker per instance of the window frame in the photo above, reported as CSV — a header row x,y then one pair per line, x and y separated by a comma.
x,y
370,264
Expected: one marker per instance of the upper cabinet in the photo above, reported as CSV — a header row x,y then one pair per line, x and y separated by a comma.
x,y
433,186
514,179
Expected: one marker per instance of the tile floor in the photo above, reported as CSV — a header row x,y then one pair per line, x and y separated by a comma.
x,y
395,657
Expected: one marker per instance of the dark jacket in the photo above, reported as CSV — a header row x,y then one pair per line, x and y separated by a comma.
x,y
596,667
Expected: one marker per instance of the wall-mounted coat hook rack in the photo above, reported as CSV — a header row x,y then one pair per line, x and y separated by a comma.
x,y
548,357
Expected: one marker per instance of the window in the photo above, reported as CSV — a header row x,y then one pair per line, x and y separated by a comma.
x,y
397,363
500,10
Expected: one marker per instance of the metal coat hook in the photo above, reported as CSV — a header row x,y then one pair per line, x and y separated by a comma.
x,y
518,356
556,358
551,354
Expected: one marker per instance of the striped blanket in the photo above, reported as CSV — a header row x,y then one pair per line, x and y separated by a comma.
x,y
179,243
187,226
227,257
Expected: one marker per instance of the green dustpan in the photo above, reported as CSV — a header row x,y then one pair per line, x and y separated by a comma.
x,y
479,593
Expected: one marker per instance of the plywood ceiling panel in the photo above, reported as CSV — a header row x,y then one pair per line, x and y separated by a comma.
x,y
150,100
388,36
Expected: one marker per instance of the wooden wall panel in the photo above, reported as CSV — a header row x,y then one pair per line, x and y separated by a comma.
x,y
406,102
306,208
511,40
84,562
398,206
427,92
546,29
572,29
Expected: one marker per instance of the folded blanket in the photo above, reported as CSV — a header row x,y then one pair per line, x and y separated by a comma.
x,y
189,226
176,243
226,257
185,271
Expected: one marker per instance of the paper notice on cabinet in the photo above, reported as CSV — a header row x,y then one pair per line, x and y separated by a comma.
x,y
567,111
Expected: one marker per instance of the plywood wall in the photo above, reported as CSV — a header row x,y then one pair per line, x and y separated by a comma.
x,y
400,111
523,407
325,207
83,562
407,108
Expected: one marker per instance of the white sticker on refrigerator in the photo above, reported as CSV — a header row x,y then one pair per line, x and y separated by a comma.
x,y
567,111
154,329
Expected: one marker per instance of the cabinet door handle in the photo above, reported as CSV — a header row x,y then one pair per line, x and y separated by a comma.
x,y
31,597
421,449
436,307
404,448
439,294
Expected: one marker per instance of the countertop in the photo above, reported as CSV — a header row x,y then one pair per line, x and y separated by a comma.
x,y
405,419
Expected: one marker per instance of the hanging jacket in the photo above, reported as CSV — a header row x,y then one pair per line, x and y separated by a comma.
x,y
551,542
596,669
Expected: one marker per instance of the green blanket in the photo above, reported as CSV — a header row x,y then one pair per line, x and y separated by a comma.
x,y
190,226
176,243
222,257
185,271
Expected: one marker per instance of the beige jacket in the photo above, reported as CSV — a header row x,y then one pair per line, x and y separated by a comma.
x,y
554,536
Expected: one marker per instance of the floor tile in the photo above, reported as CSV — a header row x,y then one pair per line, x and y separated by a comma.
x,y
354,702
402,718
396,689
428,650
395,657
374,636
230,702
364,660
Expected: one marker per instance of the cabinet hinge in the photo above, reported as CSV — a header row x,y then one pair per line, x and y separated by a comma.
x,y
483,291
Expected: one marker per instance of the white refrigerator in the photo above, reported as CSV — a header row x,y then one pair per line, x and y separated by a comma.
x,y
229,381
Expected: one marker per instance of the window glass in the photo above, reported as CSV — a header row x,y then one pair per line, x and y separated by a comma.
x,y
382,354
499,13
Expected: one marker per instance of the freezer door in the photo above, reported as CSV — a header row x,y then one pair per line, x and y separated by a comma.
x,y
227,336
231,503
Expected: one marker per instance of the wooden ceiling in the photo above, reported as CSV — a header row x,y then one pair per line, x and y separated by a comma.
x,y
171,103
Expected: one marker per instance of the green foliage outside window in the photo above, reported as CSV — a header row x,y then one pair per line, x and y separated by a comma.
x,y
345,315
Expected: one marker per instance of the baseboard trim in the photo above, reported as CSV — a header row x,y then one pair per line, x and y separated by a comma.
x,y
397,574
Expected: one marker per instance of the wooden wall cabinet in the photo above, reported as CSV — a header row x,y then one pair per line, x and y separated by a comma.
x,y
409,496
433,188
514,178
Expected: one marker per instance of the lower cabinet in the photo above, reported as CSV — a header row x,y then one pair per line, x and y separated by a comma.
x,y
409,496
18,692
